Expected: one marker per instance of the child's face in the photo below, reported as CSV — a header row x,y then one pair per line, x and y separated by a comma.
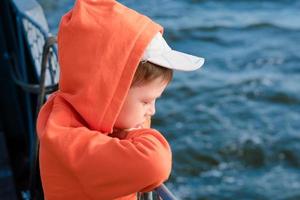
x,y
139,104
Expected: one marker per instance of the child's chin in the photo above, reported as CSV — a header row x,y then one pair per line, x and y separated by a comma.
x,y
139,126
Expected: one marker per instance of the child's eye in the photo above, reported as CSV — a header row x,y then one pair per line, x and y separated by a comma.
x,y
148,102
145,102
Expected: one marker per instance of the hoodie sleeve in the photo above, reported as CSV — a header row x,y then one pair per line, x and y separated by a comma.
x,y
107,167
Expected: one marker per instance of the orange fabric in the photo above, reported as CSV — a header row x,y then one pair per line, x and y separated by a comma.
x,y
100,43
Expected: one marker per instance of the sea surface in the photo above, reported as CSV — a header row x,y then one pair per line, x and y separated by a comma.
x,y
234,125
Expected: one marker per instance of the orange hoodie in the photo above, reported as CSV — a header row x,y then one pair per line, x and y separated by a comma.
x,y
100,43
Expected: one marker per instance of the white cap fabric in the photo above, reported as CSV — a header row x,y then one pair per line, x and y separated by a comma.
x,y
158,52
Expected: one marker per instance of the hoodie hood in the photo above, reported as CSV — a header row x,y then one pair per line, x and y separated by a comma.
x,y
100,44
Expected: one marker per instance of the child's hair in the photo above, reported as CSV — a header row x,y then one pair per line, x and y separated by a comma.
x,y
147,72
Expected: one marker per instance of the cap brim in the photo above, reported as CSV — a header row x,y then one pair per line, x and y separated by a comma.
x,y
177,60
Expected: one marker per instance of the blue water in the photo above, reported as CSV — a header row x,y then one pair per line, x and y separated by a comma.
x,y
233,125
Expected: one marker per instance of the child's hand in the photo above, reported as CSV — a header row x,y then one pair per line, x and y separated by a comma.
x,y
118,133
122,134
147,123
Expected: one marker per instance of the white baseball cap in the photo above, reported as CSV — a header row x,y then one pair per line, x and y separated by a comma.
x,y
158,52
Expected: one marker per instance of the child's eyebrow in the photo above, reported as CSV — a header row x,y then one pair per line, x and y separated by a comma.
x,y
152,98
156,97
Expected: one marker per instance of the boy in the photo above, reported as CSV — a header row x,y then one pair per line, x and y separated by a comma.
x,y
93,141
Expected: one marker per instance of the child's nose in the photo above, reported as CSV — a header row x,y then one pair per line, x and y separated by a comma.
x,y
151,110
